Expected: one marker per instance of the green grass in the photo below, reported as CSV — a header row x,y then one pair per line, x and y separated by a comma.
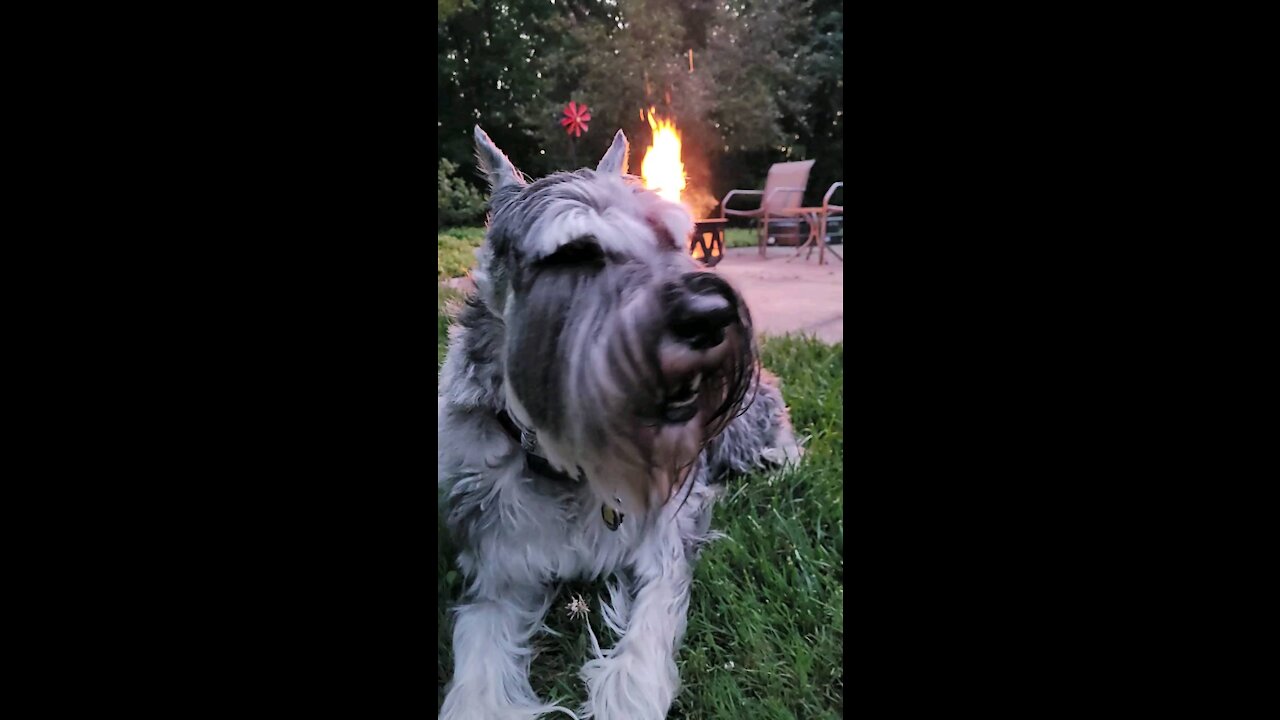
x,y
735,237
766,623
456,251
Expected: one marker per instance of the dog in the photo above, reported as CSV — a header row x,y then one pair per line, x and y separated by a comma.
x,y
599,389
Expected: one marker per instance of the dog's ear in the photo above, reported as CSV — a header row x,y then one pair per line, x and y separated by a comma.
x,y
615,161
494,165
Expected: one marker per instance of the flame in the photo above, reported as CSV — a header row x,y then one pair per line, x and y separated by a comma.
x,y
662,170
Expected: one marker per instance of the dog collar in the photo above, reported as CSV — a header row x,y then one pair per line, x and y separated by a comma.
x,y
529,443
540,465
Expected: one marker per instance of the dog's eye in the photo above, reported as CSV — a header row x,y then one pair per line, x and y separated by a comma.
x,y
581,251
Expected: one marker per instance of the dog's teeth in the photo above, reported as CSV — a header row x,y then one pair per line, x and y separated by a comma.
x,y
679,403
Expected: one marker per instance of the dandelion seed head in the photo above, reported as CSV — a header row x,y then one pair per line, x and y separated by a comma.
x,y
577,607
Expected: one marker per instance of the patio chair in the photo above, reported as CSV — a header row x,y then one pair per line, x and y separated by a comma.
x,y
783,191
828,210
819,233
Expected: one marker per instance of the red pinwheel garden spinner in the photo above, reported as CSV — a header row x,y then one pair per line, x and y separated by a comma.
x,y
575,119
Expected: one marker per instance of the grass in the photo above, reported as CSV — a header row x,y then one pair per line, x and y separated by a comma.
x,y
456,248
766,622
741,237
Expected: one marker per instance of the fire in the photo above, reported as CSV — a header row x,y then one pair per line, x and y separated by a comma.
x,y
662,170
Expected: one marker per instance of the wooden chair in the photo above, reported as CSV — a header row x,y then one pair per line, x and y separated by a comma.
x,y
783,190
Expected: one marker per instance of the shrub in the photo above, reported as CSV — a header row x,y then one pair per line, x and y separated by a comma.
x,y
459,203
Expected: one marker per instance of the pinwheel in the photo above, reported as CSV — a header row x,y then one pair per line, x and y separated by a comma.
x,y
575,119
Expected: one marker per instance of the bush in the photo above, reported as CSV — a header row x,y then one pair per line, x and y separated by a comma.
x,y
459,203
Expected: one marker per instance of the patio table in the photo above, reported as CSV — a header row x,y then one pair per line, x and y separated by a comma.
x,y
813,216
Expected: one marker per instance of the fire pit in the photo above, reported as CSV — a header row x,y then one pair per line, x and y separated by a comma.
x,y
707,242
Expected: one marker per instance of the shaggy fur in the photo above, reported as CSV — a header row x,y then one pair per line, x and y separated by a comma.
x,y
587,327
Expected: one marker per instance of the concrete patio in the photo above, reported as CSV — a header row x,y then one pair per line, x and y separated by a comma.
x,y
787,294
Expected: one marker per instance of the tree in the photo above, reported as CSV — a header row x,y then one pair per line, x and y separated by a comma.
x,y
757,56
488,72
823,130
766,85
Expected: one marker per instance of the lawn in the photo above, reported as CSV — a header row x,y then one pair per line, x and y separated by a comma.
x,y
456,248
766,620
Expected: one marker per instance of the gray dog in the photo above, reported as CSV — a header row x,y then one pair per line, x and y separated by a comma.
x,y
598,389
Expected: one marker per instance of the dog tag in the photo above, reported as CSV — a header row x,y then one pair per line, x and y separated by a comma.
x,y
612,518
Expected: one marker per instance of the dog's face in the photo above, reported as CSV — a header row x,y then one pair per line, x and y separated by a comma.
x,y
619,352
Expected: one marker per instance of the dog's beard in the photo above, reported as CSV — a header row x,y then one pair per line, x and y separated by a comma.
x,y
593,368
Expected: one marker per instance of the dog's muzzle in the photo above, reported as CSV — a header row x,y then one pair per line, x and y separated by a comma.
x,y
701,307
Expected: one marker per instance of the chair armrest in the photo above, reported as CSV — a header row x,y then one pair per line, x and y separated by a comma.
x,y
827,198
724,204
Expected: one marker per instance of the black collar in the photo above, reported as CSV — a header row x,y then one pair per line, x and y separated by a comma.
x,y
538,464
529,443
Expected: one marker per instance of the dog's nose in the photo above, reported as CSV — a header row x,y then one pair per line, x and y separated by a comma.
x,y
702,310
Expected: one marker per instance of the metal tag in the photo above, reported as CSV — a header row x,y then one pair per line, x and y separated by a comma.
x,y
612,518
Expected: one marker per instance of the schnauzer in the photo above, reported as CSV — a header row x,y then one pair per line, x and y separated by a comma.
x,y
599,387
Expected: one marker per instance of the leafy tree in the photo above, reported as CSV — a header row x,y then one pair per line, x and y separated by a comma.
x,y
488,72
622,59
766,84
446,8
823,130
756,55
